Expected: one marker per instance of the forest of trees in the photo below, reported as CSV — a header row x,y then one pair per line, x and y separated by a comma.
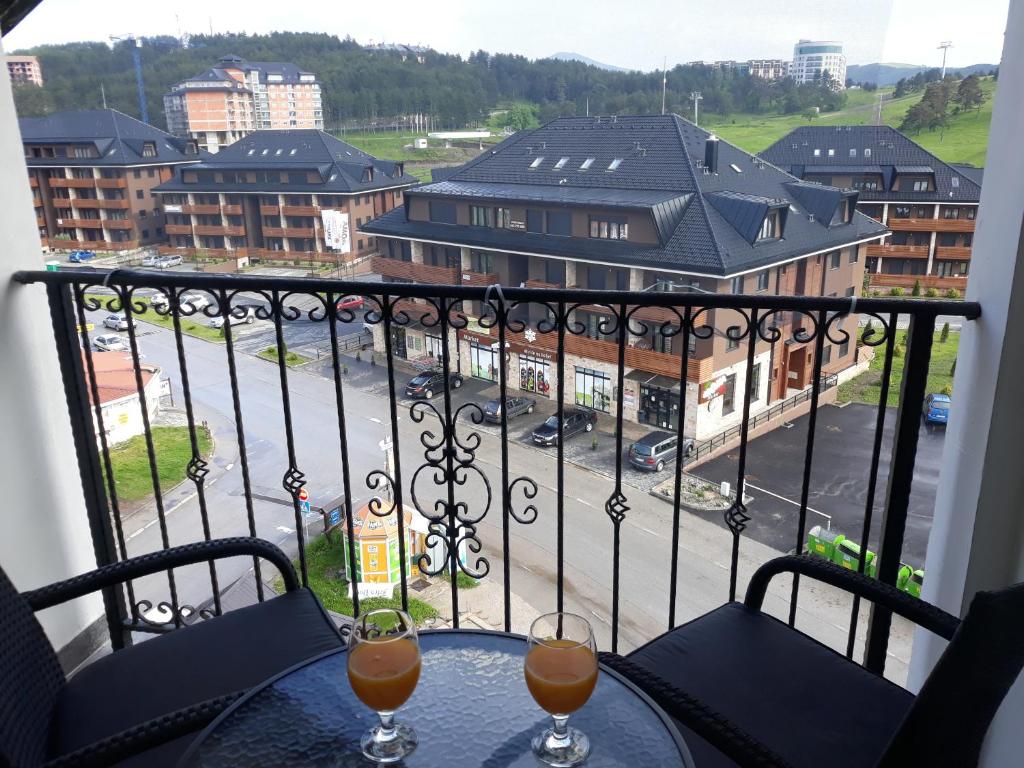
x,y
933,110
362,87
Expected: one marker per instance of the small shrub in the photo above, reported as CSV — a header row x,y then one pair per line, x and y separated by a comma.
x,y
593,443
932,293
359,357
917,288
897,291
952,293
948,390
344,370
944,336
897,351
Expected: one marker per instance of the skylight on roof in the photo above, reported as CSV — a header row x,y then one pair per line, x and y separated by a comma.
x,y
615,164
265,151
853,152
735,167
292,151
831,153
561,163
333,177
817,153
278,151
251,152
867,151
537,161
587,163
955,181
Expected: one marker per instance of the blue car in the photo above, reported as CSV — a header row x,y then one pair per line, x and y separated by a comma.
x,y
77,257
936,411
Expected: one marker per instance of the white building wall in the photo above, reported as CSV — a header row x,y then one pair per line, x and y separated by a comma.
x,y
122,418
710,420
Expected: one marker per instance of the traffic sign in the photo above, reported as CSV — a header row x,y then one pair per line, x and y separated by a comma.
x,y
304,507
335,517
303,494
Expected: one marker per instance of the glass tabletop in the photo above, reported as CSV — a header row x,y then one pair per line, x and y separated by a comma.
x,y
471,708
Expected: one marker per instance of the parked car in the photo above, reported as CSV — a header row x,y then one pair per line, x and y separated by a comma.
x,y
577,420
77,257
248,318
164,262
653,450
109,342
197,301
936,411
351,302
430,383
118,322
514,406
150,259
159,300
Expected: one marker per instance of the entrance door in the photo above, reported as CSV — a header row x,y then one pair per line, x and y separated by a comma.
x,y
797,369
398,343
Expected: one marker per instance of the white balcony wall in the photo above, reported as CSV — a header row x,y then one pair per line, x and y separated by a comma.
x,y
45,535
977,539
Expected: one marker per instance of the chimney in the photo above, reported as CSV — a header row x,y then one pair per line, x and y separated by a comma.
x,y
711,154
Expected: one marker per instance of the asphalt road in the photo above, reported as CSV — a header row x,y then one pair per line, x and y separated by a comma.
x,y
838,482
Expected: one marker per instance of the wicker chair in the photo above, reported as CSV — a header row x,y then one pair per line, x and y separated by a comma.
x,y
750,691
141,706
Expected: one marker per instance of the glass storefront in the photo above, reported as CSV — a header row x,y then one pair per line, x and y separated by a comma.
x,y
593,389
658,407
483,362
534,375
433,346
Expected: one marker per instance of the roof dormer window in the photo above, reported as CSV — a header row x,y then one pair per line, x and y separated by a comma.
x,y
817,153
867,151
853,152
770,229
587,163
149,149
831,153
536,162
561,163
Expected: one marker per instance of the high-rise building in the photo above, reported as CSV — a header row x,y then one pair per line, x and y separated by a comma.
x,y
92,175
24,69
814,60
238,97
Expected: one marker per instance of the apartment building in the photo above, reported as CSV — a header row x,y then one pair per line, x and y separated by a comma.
x,y
769,69
813,58
24,70
928,205
92,175
237,97
214,108
637,203
268,196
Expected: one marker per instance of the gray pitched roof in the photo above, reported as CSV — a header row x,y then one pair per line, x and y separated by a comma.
x,y
118,139
658,154
214,79
342,167
890,152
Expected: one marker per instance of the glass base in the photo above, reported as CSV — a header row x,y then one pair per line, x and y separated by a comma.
x,y
384,748
561,752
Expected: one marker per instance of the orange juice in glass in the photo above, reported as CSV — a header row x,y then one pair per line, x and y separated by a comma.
x,y
383,669
561,672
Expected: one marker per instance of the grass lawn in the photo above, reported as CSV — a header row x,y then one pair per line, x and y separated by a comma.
x,y
965,140
867,388
194,325
324,561
173,449
290,358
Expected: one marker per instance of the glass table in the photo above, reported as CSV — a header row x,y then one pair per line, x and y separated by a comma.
x,y
471,708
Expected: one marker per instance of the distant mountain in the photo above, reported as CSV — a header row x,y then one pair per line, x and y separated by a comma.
x,y
888,74
569,56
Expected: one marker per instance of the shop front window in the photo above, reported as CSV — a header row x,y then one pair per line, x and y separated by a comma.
x,y
483,362
534,375
593,389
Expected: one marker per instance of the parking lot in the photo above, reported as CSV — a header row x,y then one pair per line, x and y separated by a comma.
x,y
839,479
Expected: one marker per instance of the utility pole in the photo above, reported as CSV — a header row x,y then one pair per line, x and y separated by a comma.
x,y
696,105
944,46
664,83
103,95
136,44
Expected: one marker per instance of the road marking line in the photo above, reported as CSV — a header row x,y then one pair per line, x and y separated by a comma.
x,y
599,616
584,503
374,419
788,501
229,467
648,530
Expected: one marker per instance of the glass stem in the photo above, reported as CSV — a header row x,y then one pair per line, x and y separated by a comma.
x,y
386,732
560,729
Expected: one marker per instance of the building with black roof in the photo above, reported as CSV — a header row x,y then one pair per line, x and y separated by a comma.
x,y
237,97
92,174
929,205
640,203
266,196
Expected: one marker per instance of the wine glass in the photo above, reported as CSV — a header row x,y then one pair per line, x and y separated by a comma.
x,y
561,672
383,669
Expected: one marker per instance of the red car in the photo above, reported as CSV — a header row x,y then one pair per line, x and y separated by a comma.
x,y
350,302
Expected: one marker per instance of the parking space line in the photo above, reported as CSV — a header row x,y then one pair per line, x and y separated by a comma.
x,y
790,501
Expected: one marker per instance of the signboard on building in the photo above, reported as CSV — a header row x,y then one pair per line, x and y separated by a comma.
x,y
337,232
520,225
713,388
169,208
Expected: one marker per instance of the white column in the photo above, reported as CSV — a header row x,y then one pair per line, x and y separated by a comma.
x,y
416,250
977,538
466,257
46,533
570,274
636,279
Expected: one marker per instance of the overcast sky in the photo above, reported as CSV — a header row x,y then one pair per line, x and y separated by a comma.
x,y
628,33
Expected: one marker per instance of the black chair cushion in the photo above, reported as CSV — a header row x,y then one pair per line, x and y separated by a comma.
x,y
796,696
229,653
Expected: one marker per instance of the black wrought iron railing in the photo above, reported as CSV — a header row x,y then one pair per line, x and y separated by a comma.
x,y
449,483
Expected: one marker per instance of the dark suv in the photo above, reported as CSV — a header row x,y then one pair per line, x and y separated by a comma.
x,y
651,451
430,383
514,406
576,421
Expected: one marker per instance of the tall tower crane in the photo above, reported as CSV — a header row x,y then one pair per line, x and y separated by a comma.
x,y
137,61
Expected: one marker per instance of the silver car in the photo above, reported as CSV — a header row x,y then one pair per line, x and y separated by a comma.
x,y
117,322
167,261
248,318
109,342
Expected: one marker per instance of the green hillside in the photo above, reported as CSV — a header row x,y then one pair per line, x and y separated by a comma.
x,y
965,140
